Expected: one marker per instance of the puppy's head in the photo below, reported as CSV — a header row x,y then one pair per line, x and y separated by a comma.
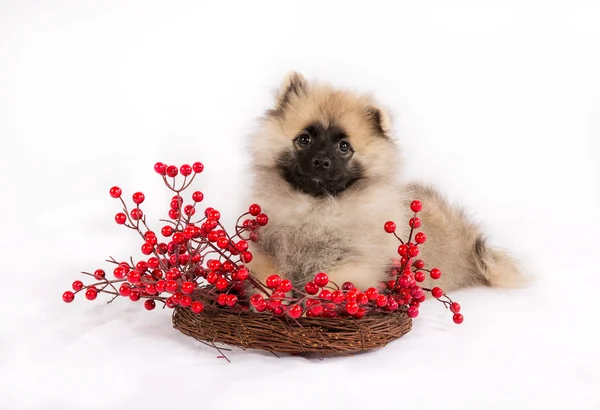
x,y
323,140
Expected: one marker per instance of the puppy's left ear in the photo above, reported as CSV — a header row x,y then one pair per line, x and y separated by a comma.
x,y
380,118
294,83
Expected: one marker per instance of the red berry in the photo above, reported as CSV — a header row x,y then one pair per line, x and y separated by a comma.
x,y
413,251
247,257
187,288
222,299
153,263
173,274
262,219
68,296
197,307
389,227
197,196
142,266
91,293
115,192
166,231
120,218
419,276
185,170
256,300
360,313
214,214
171,286
223,243
152,240
222,284
435,273
457,318
285,286
77,285
254,209
185,301
416,292
138,198
150,289
311,288
402,250
173,213
178,238
351,296
198,167
172,171
241,246
162,248
177,297
437,292
189,210
347,286
381,300
147,248
372,293
455,307
160,168
273,281
231,300
314,311
325,294
243,274
337,297
149,304
99,274
160,286
414,223
134,277
419,264
170,303
321,279
188,232
352,307
413,312
392,305
295,311
136,214
362,299
416,206
213,236
125,290
212,278
420,238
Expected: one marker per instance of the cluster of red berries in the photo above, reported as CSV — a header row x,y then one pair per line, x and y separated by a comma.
x,y
408,271
185,256
194,262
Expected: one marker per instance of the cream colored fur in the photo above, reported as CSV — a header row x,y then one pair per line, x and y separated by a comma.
x,y
343,235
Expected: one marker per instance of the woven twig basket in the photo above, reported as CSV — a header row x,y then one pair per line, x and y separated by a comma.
x,y
322,336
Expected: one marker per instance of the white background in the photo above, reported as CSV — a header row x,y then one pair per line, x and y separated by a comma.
x,y
497,105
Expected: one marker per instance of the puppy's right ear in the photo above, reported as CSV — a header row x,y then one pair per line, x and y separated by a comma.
x,y
294,83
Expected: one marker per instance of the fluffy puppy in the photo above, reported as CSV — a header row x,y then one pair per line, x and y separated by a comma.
x,y
326,173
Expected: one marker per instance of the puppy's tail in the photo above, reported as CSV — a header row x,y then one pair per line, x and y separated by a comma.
x,y
498,268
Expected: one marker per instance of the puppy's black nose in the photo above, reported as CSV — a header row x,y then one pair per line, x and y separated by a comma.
x,y
321,162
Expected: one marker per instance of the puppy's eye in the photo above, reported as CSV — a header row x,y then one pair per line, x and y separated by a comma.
x,y
303,139
344,146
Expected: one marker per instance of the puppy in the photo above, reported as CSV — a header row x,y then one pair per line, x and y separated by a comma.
x,y
326,172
